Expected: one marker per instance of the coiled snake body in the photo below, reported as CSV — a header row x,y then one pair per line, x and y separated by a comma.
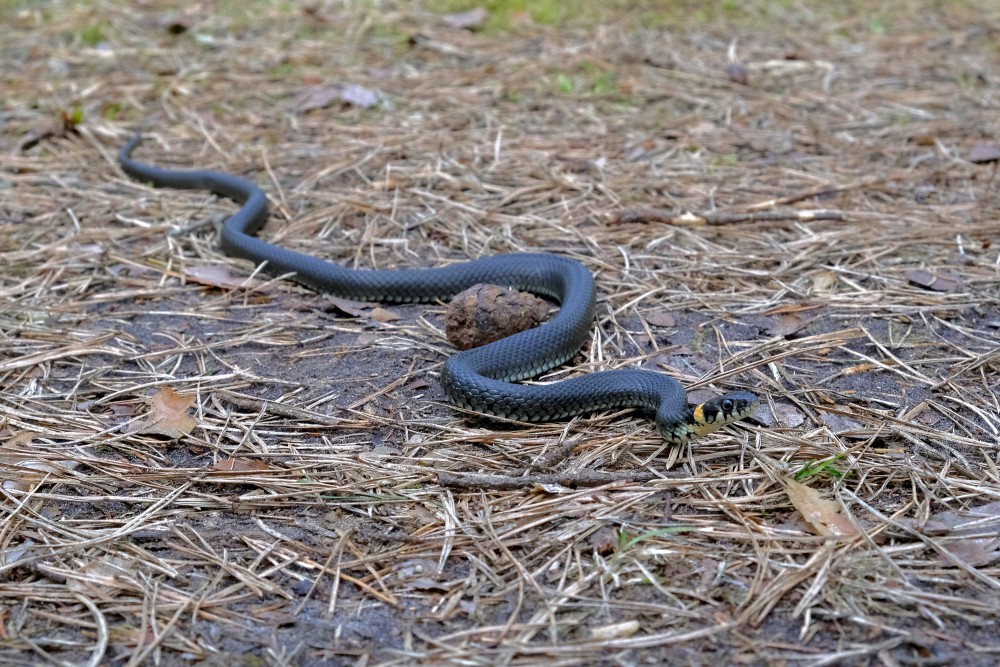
x,y
480,379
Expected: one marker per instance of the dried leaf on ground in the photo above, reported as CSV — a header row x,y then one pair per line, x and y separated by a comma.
x,y
936,281
219,275
787,324
319,97
365,309
167,415
615,631
23,470
380,314
469,20
780,413
825,516
660,318
984,152
974,533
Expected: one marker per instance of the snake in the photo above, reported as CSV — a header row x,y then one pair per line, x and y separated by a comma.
x,y
484,379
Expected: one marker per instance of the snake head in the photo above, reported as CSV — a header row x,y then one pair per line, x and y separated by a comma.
x,y
709,416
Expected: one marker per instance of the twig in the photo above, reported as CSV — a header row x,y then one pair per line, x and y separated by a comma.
x,y
647,214
270,407
571,479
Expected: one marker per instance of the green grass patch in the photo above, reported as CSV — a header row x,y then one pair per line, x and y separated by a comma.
x,y
587,79
625,542
93,34
504,15
824,467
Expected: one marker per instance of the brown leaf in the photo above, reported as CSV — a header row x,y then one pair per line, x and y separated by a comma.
x,y
24,469
788,324
979,526
938,282
351,94
167,415
824,282
419,384
20,439
107,573
35,137
363,309
984,153
380,314
783,414
973,552
316,97
738,73
615,631
219,275
349,306
470,20
360,96
660,318
241,465
604,540
824,516
841,424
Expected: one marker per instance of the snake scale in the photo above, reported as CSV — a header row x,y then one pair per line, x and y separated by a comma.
x,y
481,379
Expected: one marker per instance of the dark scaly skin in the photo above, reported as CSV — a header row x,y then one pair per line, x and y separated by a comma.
x,y
481,379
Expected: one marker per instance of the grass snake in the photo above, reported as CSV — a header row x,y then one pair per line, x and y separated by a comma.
x,y
481,379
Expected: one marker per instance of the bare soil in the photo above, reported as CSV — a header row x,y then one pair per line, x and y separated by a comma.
x,y
205,465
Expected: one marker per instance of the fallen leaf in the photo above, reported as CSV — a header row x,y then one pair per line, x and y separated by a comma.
x,y
791,309
840,424
380,314
318,97
703,128
660,318
122,409
418,384
783,414
20,439
823,515
615,630
604,540
107,574
787,324
24,470
241,465
470,20
973,552
984,153
938,282
738,73
167,415
824,282
219,275
646,148
349,306
359,96
975,533
365,309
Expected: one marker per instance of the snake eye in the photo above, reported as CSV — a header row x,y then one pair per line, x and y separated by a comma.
x,y
728,405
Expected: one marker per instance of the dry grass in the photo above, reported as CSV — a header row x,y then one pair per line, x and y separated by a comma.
x,y
329,508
